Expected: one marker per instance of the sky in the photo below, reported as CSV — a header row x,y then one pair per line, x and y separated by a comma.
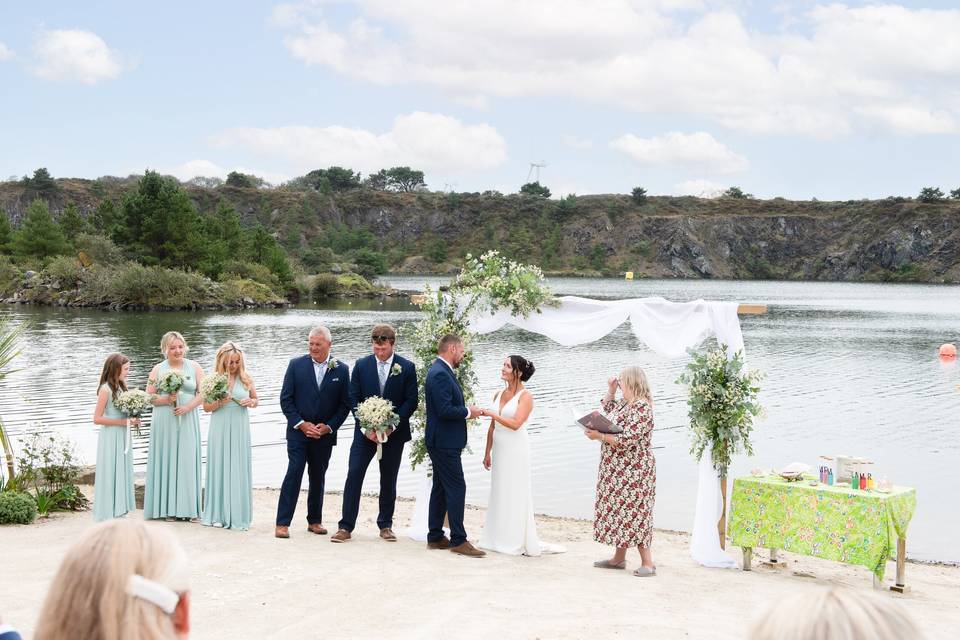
x,y
794,99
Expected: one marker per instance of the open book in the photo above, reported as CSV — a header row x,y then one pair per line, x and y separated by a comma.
x,y
594,420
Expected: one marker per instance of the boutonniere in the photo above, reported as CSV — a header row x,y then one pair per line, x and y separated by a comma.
x,y
395,370
332,363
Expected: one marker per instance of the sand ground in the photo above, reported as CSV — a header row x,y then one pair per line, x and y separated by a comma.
x,y
249,584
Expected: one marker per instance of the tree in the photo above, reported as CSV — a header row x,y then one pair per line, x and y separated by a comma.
x,y
737,193
931,194
405,179
105,218
598,257
6,234
241,180
332,179
204,181
377,181
72,223
225,237
41,182
955,194
639,195
535,189
262,248
38,235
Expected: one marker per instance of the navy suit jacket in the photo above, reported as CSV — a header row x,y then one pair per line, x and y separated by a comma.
x,y
400,389
446,410
300,399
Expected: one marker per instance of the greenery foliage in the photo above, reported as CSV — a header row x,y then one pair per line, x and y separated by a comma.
x,y
737,193
39,236
6,235
17,507
535,189
955,194
48,464
931,194
639,195
723,402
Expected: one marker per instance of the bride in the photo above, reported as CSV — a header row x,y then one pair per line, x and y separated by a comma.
x,y
509,526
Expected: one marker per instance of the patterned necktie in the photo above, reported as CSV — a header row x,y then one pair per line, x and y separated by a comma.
x,y
382,374
321,370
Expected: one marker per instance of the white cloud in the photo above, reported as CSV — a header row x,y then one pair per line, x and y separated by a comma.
x,y
686,150
5,52
811,76
74,55
426,141
700,188
209,169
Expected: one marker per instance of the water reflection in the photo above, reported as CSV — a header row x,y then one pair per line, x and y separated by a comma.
x,y
850,369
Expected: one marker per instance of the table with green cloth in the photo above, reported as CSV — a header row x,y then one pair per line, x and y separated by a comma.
x,y
833,522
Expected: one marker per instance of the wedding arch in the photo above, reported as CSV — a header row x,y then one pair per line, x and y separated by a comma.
x,y
492,292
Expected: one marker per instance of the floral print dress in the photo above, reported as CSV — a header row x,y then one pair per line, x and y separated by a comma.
x,y
626,484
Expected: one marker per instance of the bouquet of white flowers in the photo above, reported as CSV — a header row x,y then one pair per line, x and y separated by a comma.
x,y
170,383
376,414
134,403
214,388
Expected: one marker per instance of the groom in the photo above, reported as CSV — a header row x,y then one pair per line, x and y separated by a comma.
x,y
446,436
315,398
389,375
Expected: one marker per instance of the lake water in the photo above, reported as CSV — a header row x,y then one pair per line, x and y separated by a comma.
x,y
851,369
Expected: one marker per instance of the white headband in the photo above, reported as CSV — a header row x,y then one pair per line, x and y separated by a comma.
x,y
153,592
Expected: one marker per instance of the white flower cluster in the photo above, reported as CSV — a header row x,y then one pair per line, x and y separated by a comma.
x,y
377,413
170,382
133,402
214,387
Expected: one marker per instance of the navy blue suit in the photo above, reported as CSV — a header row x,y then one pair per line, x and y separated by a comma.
x,y
8,633
446,436
400,389
301,400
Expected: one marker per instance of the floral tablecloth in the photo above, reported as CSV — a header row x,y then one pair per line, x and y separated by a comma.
x,y
830,522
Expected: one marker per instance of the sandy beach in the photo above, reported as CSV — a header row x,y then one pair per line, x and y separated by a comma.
x,y
249,584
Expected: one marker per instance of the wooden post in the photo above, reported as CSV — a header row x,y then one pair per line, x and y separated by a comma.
x,y
722,523
747,558
900,586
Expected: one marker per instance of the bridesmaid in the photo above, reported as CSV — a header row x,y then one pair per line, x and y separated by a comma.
x,y
229,486
173,463
113,487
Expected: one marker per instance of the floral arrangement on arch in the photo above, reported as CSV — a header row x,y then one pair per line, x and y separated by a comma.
x,y
488,283
723,402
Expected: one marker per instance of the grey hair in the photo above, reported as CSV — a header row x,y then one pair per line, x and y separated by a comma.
x,y
321,330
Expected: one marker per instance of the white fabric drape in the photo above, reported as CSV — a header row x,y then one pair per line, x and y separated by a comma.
x,y
668,329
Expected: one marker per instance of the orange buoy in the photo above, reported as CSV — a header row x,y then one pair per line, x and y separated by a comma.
x,y
948,351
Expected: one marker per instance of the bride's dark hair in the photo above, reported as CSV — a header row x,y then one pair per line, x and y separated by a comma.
x,y
522,367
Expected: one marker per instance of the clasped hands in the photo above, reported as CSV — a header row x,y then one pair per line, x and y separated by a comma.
x,y
315,431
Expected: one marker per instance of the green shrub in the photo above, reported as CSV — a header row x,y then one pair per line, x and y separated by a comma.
x,y
240,288
100,249
353,283
131,284
370,261
9,276
66,270
437,251
639,195
324,285
255,271
17,508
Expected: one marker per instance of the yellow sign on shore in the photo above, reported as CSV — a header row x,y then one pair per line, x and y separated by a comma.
x,y
628,275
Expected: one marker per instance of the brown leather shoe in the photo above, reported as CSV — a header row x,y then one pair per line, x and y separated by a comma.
x,y
317,529
442,543
342,535
467,549
282,532
387,534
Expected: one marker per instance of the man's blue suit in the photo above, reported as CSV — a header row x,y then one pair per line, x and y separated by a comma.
x,y
445,437
301,400
401,390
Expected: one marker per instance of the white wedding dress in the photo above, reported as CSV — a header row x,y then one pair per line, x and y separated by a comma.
x,y
509,526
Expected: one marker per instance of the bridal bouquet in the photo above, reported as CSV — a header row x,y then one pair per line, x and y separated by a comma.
x,y
133,403
214,388
170,383
377,414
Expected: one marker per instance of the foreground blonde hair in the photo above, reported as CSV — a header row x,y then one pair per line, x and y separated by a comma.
x,y
226,350
88,599
635,379
837,614
169,337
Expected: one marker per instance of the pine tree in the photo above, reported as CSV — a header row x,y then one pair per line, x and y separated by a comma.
x,y
38,235
6,234
72,223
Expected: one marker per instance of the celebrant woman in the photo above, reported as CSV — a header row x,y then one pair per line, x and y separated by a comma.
x,y
113,487
229,486
626,483
173,462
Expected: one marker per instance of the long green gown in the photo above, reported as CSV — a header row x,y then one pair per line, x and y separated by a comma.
x,y
228,499
173,462
113,486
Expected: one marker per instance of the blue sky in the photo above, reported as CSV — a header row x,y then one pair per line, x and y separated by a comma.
x,y
794,99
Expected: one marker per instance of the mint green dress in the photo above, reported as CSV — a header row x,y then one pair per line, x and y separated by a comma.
x,y
173,461
113,484
228,499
